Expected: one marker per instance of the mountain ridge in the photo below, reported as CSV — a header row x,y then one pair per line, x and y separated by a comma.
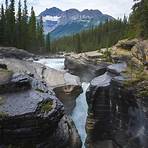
x,y
55,18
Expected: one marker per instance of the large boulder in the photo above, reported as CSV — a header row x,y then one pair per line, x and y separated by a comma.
x,y
85,65
140,51
32,116
66,86
12,52
126,43
132,51
117,110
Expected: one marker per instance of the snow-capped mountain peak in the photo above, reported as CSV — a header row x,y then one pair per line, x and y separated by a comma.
x,y
56,20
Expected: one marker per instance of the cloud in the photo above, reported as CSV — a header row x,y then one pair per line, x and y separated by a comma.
x,y
116,8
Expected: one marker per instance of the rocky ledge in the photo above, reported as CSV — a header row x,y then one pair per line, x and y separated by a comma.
x,y
117,114
12,52
86,65
31,115
67,87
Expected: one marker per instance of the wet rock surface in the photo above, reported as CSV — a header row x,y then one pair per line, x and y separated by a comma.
x,y
66,86
85,66
32,116
115,112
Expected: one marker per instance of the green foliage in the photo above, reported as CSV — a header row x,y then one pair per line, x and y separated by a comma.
x,y
3,115
2,25
17,29
139,19
104,35
107,34
46,106
48,42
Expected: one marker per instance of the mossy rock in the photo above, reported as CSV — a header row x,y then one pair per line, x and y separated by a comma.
x,y
3,115
1,100
5,75
46,106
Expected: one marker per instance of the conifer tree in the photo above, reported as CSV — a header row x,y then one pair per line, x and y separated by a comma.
x,y
2,25
19,26
11,23
32,29
48,42
25,26
40,33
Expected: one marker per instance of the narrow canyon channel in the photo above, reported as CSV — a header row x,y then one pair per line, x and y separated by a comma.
x,y
79,114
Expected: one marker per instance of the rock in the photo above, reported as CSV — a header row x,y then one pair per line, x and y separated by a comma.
x,y
66,86
126,44
5,76
84,67
140,51
3,66
12,52
103,144
32,116
115,112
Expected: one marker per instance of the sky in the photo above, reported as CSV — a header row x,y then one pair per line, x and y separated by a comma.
x,y
115,8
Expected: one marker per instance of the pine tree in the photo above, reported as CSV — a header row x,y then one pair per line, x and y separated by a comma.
x,y
40,33
6,3
11,23
32,29
144,18
78,44
2,26
25,26
19,26
48,42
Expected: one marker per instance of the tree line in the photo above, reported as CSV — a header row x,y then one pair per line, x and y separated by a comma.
x,y
23,31
20,30
104,35
107,34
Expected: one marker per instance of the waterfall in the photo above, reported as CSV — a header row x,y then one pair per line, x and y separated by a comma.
x,y
79,114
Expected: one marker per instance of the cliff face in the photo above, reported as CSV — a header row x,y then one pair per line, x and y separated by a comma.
x,y
31,115
117,111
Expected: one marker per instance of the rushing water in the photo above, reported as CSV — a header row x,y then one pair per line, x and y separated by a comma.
x,y
56,63
79,114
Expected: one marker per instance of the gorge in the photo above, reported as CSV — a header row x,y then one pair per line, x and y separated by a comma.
x,y
107,100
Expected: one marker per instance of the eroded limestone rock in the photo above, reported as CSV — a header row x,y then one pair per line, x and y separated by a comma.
x,y
32,116
117,110
66,86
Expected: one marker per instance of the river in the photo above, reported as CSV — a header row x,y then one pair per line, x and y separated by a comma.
x,y
79,113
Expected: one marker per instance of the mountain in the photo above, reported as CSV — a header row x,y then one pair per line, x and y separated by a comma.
x,y
61,23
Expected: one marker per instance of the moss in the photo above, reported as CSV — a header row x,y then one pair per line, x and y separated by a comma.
x,y
39,90
3,115
1,100
135,76
143,93
46,106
